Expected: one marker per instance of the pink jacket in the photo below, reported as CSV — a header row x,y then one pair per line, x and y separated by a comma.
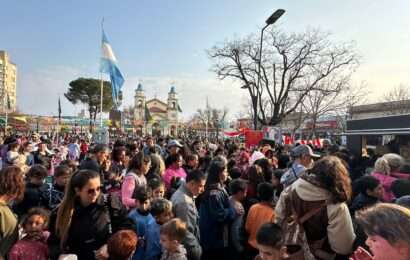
x,y
387,180
172,172
131,182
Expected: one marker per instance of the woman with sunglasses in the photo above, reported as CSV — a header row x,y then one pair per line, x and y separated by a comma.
x,y
85,218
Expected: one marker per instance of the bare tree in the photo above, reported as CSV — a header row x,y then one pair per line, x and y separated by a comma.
x,y
335,98
397,100
128,114
211,117
292,65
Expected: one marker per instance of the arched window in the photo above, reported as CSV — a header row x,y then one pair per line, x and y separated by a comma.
x,y
140,103
174,105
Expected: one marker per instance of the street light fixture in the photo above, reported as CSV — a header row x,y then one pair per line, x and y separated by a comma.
x,y
275,16
271,20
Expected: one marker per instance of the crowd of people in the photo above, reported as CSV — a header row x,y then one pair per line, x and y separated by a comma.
x,y
174,199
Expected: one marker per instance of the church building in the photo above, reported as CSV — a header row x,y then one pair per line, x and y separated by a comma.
x,y
154,116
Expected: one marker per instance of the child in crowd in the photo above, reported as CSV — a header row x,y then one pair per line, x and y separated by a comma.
x,y
55,193
172,234
157,188
122,244
141,218
34,190
161,210
260,213
33,245
238,191
269,243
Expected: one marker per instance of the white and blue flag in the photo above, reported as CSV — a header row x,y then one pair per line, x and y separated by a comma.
x,y
108,65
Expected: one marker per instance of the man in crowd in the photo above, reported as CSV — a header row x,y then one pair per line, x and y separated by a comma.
x,y
183,200
302,159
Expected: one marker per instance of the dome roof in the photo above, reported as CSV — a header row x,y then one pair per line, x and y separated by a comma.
x,y
139,87
172,90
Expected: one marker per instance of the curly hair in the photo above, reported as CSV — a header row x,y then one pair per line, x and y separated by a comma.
x,y
45,214
12,182
334,177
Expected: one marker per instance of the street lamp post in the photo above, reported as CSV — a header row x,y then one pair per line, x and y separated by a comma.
x,y
271,20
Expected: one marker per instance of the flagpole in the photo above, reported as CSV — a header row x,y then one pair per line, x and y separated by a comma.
x,y
102,83
101,101
58,122
207,119
7,116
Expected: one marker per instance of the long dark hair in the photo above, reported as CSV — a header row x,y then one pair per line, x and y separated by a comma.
x,y
65,211
217,166
137,161
333,176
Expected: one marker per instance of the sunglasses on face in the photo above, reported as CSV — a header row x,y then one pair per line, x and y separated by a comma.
x,y
92,191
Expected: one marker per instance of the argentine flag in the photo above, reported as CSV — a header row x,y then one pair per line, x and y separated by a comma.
x,y
108,65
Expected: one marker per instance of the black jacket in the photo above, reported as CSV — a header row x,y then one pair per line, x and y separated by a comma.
x,y
89,229
362,201
33,197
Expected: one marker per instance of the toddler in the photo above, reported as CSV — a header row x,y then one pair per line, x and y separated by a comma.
x,y
33,245
171,235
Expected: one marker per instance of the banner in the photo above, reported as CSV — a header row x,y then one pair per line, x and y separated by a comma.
x,y
253,138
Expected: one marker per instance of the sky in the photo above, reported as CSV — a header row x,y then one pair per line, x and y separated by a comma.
x,y
160,43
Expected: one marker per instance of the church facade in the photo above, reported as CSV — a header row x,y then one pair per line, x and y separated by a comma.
x,y
156,117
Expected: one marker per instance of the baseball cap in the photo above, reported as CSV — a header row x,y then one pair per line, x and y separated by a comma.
x,y
174,143
301,150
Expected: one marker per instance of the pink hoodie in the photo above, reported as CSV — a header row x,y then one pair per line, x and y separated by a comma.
x,y
387,180
173,172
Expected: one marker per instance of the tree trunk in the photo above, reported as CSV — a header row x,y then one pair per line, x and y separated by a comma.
x,y
91,119
255,112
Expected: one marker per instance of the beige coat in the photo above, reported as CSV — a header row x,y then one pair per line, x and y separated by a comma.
x,y
340,228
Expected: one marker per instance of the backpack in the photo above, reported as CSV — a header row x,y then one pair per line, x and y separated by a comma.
x,y
295,237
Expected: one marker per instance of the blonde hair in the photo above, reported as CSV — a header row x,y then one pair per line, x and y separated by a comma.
x,y
175,229
390,221
388,163
65,211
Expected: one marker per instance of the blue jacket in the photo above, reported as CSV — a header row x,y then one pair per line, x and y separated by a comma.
x,y
215,215
140,221
152,236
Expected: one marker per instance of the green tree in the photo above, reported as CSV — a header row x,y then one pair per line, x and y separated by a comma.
x,y
87,91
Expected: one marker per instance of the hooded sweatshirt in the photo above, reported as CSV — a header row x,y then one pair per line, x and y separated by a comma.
x,y
340,230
